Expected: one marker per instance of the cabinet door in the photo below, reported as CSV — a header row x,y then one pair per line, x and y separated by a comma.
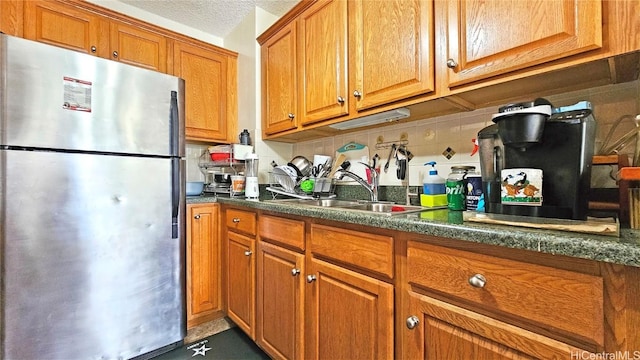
x,y
210,84
438,330
204,270
279,81
323,61
241,292
12,17
66,26
487,38
394,58
134,46
280,324
349,315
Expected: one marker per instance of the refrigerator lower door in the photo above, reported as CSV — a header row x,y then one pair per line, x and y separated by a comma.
x,y
91,270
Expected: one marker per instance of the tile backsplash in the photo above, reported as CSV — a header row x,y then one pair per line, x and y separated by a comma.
x,y
428,139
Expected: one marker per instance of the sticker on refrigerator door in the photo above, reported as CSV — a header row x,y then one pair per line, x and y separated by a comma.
x,y
77,94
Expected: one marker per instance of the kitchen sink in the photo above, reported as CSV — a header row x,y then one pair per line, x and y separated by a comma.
x,y
381,207
318,202
386,208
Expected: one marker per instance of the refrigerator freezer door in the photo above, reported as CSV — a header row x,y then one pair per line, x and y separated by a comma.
x,y
60,99
90,267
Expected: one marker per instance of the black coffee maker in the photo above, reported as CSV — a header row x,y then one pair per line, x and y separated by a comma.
x,y
534,135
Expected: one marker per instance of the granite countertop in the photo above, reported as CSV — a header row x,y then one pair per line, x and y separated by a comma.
x,y
624,250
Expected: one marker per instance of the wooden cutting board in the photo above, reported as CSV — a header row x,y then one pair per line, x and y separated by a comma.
x,y
608,226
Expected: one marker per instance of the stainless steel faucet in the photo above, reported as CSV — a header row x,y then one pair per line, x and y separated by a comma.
x,y
372,188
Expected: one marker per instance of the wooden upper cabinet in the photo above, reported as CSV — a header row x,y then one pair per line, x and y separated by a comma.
x,y
210,91
134,46
12,17
393,48
279,81
488,38
66,26
323,61
80,30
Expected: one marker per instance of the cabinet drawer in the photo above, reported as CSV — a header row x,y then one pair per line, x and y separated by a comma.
x,y
552,298
241,221
281,230
363,250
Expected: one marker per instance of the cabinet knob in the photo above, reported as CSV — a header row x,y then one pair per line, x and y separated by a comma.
x,y
93,49
311,278
236,220
197,217
295,272
115,54
248,253
451,63
291,116
477,280
340,100
357,94
412,322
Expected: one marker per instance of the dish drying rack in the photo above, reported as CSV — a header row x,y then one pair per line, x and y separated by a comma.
x,y
224,163
283,184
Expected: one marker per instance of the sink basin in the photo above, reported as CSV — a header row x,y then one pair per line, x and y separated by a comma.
x,y
386,208
319,202
382,207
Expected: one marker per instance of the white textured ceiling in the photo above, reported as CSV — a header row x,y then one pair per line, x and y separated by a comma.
x,y
215,17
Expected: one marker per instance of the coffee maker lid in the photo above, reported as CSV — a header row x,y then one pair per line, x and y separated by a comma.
x,y
522,105
540,109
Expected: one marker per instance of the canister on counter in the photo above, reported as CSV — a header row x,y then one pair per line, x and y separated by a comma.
x,y
456,187
474,190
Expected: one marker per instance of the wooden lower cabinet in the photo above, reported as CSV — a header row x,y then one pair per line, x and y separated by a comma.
x,y
348,315
438,330
241,274
329,290
204,264
280,323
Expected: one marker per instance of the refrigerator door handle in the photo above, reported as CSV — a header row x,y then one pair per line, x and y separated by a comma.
x,y
174,121
175,196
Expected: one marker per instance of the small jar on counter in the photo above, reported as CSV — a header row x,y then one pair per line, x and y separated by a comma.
x,y
456,187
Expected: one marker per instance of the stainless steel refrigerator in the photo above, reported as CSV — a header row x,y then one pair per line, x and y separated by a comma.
x,y
92,206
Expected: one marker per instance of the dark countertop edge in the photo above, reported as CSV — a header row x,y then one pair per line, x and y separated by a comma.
x,y
624,250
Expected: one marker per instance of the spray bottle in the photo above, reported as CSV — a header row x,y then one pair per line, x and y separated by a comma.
x,y
432,183
433,188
